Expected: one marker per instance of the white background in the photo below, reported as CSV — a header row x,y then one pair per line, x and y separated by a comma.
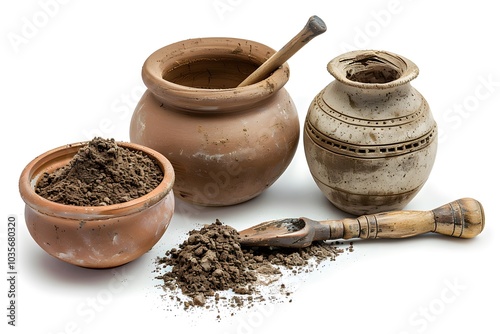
x,y
70,70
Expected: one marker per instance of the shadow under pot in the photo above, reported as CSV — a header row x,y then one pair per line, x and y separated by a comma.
x,y
370,139
227,144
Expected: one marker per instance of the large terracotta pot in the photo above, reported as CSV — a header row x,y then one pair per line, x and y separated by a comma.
x,y
370,139
226,144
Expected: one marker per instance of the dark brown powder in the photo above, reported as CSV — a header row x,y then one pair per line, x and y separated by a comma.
x,y
211,260
101,173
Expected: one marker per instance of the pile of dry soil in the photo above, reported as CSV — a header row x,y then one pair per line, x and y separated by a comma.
x,y
211,260
101,173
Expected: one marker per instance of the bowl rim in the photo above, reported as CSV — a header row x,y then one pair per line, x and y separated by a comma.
x,y
214,99
37,166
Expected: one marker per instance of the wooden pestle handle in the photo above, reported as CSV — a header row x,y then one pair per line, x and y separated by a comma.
x,y
314,27
463,218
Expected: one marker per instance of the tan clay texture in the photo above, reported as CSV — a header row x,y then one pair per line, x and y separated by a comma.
x,y
226,144
370,139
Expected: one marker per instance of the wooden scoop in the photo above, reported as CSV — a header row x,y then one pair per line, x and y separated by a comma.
x,y
463,218
314,27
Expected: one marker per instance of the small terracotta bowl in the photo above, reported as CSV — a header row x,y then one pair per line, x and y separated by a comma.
x,y
96,236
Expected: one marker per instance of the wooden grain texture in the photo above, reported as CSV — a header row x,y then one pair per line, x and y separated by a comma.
x,y
463,218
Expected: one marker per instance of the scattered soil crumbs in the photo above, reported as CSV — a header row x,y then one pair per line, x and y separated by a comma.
x,y
101,173
211,262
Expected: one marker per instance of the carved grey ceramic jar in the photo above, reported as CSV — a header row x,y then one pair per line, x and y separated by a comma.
x,y
369,137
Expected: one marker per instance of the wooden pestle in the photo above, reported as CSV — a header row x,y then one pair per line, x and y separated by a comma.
x,y
314,27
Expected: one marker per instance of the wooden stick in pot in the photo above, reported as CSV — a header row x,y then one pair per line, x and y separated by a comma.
x,y
314,27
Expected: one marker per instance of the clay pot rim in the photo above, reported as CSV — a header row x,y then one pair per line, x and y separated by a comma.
x,y
407,69
204,99
61,155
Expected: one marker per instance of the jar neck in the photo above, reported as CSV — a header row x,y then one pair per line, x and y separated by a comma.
x,y
367,96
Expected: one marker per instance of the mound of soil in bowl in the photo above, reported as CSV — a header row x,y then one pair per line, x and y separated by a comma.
x,y
101,173
211,260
